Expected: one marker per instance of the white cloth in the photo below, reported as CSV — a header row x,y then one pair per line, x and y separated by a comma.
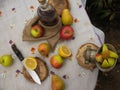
x,y
100,34
14,15
84,2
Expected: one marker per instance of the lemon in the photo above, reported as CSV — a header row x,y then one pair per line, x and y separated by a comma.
x,y
64,51
30,63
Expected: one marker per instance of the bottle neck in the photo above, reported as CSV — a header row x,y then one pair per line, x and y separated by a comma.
x,y
42,1
45,7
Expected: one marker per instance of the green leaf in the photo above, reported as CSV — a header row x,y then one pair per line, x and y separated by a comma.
x,y
109,2
97,4
100,4
112,16
104,14
93,5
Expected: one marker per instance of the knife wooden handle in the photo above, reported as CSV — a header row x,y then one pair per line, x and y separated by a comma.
x,y
17,52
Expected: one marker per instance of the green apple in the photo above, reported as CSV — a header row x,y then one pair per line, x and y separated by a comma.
x,y
6,60
37,31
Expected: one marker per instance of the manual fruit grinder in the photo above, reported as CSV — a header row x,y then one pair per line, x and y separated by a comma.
x,y
90,57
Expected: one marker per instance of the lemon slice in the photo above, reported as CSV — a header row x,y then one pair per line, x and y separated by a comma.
x,y
30,63
64,51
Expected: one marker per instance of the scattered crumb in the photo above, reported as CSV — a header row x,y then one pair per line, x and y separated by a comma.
x,y
0,13
65,76
10,42
14,10
91,38
16,75
76,20
26,20
79,5
73,38
18,72
32,8
11,26
51,72
79,75
33,50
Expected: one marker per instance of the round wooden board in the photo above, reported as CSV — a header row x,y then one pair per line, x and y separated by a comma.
x,y
80,56
41,70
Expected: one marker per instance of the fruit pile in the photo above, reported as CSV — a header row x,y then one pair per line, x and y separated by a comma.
x,y
66,32
106,57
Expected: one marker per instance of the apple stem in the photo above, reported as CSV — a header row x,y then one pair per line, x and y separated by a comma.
x,y
66,31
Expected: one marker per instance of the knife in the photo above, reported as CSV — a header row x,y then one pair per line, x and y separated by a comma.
x,y
32,73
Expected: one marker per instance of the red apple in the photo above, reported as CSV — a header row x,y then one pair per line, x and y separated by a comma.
x,y
37,31
56,61
66,32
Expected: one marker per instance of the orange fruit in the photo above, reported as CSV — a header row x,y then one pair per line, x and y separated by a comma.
x,y
64,51
30,63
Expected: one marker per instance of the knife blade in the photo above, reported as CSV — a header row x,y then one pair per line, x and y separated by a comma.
x,y
32,73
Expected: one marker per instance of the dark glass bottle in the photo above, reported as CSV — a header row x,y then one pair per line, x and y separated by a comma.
x,y
47,13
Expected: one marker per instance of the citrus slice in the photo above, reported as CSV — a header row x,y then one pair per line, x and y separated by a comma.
x,y
30,63
64,51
